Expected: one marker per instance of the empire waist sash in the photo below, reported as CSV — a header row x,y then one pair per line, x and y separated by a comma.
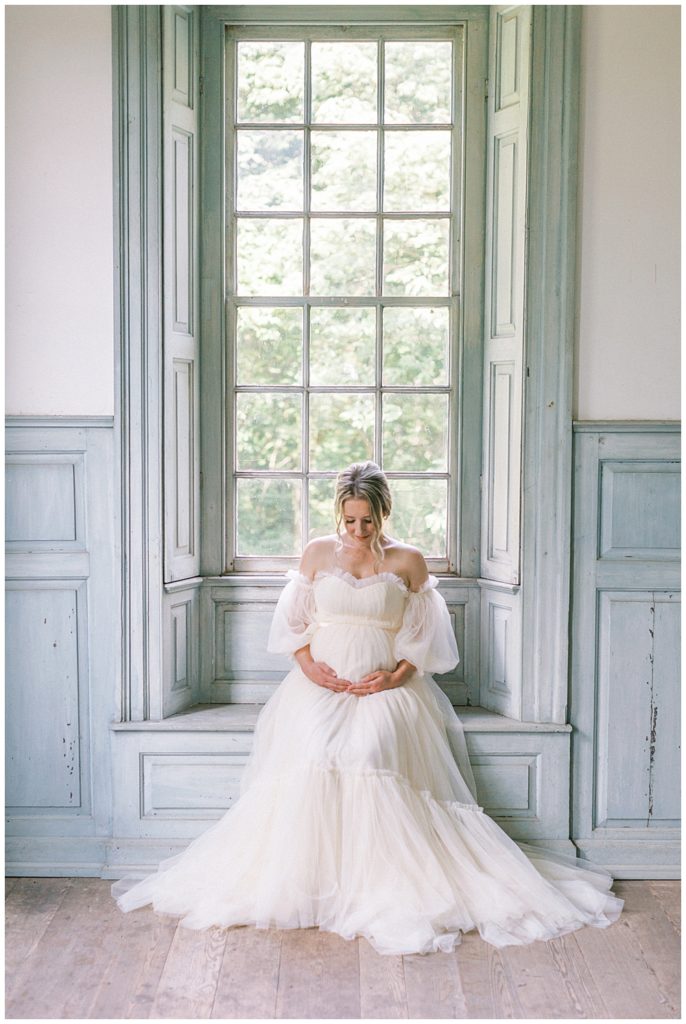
x,y
359,620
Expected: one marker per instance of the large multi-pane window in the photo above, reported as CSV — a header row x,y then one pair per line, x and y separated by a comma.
x,y
343,183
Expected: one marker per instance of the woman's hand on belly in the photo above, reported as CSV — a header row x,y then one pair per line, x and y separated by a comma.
x,y
381,679
319,672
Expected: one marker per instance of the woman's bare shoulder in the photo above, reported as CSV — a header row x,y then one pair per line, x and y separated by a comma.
x,y
407,561
317,554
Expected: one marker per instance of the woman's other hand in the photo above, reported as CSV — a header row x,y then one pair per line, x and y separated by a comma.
x,y
380,680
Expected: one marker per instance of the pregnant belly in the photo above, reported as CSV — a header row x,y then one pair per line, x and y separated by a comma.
x,y
353,651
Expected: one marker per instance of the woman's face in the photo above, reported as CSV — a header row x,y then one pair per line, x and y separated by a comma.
x,y
358,521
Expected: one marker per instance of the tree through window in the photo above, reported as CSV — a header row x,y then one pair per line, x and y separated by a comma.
x,y
343,269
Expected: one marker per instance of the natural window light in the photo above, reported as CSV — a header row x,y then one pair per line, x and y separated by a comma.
x,y
343,172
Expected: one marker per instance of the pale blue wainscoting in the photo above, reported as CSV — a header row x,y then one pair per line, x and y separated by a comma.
x,y
625,699
62,633
91,790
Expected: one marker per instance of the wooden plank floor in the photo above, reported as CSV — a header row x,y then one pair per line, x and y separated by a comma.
x,y
71,954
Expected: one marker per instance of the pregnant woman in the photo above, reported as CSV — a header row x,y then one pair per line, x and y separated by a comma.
x,y
358,809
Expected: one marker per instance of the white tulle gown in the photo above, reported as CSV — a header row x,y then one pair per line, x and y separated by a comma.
x,y
358,814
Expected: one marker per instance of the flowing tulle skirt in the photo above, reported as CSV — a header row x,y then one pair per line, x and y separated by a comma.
x,y
354,817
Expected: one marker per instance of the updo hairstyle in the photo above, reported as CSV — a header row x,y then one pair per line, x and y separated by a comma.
x,y
364,480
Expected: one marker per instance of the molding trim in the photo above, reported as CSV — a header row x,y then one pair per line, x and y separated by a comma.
x,y
550,312
426,14
624,426
137,88
87,422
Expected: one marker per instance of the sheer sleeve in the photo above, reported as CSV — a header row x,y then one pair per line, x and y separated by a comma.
x,y
294,616
426,638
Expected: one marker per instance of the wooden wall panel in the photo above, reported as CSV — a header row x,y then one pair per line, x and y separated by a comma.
x,y
625,647
178,785
44,501
184,422
47,696
62,641
504,235
501,682
640,509
502,458
508,121
637,706
180,31
181,671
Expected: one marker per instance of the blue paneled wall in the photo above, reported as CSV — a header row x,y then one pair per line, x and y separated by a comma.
x,y
62,643
88,796
625,699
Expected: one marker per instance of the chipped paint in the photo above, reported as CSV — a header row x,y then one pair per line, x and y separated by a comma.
x,y
653,715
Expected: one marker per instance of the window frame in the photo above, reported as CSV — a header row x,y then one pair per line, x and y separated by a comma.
x,y
147,601
378,301
465,293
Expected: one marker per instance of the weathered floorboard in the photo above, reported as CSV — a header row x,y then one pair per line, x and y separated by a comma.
x,y
319,976
249,975
189,978
433,987
382,985
552,980
653,934
128,987
669,895
628,983
60,978
31,904
71,953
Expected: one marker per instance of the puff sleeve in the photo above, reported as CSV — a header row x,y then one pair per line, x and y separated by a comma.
x,y
426,638
294,620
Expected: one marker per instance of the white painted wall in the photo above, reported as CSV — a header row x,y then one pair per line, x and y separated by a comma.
x,y
59,212
628,347
59,219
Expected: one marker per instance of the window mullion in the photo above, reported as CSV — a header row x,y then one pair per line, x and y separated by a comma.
x,y
378,424
307,192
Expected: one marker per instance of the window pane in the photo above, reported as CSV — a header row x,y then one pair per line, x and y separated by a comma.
x,y
415,432
420,515
269,517
268,431
269,256
341,430
344,83
418,83
322,521
271,81
270,170
343,257
269,345
416,257
417,171
344,171
415,345
342,346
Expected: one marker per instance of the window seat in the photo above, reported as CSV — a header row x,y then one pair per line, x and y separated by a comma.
x,y
242,718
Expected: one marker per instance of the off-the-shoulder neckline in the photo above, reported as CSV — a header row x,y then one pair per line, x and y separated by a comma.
x,y
363,581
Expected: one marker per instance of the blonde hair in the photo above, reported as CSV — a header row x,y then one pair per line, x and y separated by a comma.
x,y
364,480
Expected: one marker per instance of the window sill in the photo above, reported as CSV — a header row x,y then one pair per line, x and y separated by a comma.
x,y
242,718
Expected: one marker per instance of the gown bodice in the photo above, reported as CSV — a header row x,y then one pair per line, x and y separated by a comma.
x,y
364,624
373,602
